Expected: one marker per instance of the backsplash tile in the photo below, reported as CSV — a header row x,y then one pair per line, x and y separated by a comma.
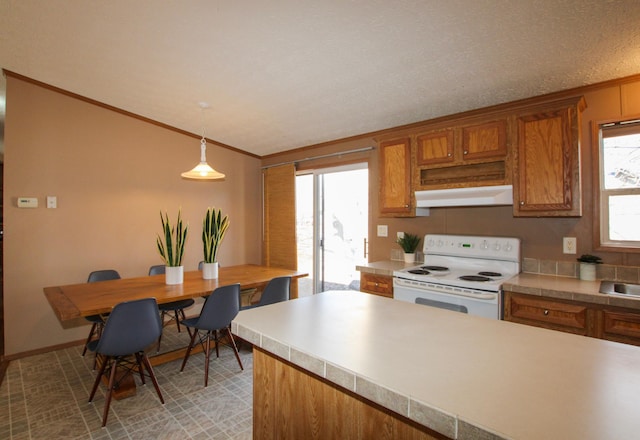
x,y
570,269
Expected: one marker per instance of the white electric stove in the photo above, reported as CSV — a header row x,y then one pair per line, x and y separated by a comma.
x,y
460,273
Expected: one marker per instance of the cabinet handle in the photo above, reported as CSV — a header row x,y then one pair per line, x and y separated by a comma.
x,y
466,152
546,312
448,154
377,285
521,202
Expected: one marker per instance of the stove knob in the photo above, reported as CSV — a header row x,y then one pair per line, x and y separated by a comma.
x,y
508,247
440,243
430,242
484,245
497,246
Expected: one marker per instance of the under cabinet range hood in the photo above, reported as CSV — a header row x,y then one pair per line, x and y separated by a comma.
x,y
473,196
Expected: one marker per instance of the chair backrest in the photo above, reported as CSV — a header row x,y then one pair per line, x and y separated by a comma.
x,y
277,290
220,308
157,270
132,326
103,275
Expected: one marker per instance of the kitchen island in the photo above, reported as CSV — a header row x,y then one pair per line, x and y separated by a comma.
x,y
435,372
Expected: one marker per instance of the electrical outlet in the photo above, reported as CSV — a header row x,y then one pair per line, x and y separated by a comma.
x,y
569,245
399,235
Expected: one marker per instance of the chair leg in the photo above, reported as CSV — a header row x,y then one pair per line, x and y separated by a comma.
x,y
186,355
177,318
98,377
152,375
140,367
93,329
159,340
235,348
206,358
112,378
215,336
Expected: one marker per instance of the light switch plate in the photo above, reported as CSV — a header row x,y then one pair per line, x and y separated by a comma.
x,y
52,202
383,231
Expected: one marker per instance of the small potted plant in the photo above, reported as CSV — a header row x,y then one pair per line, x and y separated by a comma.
x,y
409,243
214,226
588,266
171,247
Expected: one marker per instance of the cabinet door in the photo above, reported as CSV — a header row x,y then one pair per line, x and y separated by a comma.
x,y
376,284
485,140
435,147
395,178
621,326
548,164
547,313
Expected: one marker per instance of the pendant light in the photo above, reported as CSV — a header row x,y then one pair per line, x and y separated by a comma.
x,y
203,170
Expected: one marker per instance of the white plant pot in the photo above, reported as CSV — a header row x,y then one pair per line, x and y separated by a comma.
x,y
210,271
174,274
587,271
409,258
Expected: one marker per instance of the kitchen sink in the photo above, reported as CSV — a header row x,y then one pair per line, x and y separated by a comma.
x,y
618,288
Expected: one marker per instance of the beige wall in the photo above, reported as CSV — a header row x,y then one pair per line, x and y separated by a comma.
x,y
112,174
541,237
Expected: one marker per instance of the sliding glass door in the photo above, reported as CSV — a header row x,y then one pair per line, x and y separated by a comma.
x,y
332,223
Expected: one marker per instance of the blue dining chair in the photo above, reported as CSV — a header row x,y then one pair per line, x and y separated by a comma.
x,y
97,321
218,311
132,326
277,290
175,307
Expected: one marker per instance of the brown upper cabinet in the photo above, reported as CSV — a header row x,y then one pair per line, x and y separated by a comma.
x,y
460,144
547,166
485,140
469,153
435,147
395,178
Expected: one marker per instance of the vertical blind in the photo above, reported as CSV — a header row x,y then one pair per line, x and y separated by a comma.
x,y
279,204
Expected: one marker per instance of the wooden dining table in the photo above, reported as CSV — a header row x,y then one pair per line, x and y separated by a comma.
x,y
78,300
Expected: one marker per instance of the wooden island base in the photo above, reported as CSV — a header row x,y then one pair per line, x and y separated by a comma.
x,y
289,402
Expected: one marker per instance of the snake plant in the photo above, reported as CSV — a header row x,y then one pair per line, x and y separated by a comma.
x,y
214,226
171,243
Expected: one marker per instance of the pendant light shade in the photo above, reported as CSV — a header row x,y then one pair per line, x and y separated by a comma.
x,y
203,171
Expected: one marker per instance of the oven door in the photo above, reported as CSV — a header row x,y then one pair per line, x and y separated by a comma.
x,y
486,304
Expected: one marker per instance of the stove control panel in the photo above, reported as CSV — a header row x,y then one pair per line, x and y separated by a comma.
x,y
495,248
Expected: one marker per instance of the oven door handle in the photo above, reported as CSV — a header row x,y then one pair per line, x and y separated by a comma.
x,y
442,305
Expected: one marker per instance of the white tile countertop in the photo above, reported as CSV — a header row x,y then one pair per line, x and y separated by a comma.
x,y
463,376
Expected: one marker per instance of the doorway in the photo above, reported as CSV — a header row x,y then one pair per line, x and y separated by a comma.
x,y
332,207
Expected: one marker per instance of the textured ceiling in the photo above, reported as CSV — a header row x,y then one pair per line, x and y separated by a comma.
x,y
284,74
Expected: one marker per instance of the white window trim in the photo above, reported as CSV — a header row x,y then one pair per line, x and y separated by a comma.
x,y
602,208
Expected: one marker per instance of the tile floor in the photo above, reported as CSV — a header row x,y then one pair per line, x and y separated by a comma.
x,y
46,397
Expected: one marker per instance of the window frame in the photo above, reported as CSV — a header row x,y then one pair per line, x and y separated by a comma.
x,y
601,195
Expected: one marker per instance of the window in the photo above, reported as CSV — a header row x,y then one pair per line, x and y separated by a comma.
x,y
620,184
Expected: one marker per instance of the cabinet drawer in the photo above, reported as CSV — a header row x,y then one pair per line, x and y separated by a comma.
x,y
621,326
376,284
572,318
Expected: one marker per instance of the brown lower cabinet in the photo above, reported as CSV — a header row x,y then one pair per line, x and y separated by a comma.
x,y
594,320
291,403
377,284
